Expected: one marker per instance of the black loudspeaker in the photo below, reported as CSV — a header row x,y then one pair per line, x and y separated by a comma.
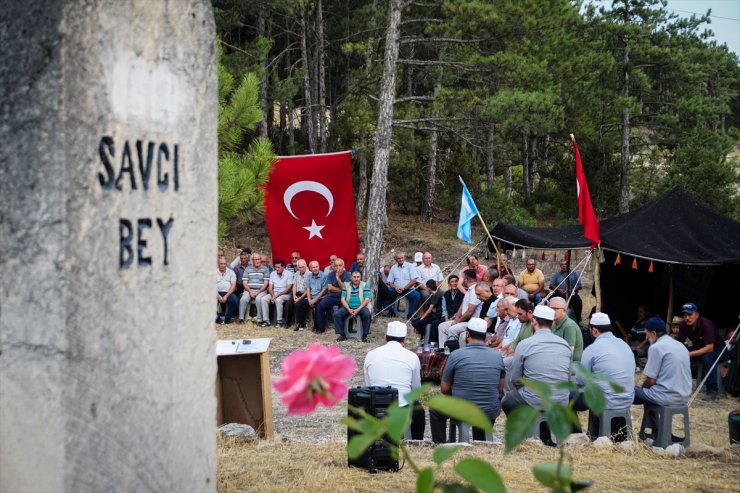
x,y
374,401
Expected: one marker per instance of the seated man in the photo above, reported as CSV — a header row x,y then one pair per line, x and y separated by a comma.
x,y
636,336
242,262
292,266
254,280
433,308
385,293
402,281
470,307
612,357
563,283
474,264
706,344
451,301
510,280
330,268
356,296
532,280
668,372
334,283
428,271
315,289
509,335
566,328
225,287
358,265
544,357
279,289
395,366
299,296
474,373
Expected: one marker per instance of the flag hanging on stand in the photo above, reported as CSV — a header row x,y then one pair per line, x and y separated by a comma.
x,y
586,215
468,211
310,208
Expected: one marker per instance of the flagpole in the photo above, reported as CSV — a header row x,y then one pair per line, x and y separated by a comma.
x,y
498,253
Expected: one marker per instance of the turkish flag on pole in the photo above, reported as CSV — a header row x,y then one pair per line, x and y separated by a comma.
x,y
310,208
586,214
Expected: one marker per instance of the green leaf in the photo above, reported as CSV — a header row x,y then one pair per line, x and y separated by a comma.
x,y
580,484
560,419
458,488
594,397
441,454
567,385
547,474
480,474
460,410
351,423
616,387
540,388
358,444
399,418
425,481
582,372
519,426
417,393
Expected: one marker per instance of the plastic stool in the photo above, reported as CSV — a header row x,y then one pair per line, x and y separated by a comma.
x,y
353,329
659,420
465,430
536,433
427,334
605,421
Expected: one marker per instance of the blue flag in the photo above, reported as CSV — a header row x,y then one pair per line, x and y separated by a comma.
x,y
468,211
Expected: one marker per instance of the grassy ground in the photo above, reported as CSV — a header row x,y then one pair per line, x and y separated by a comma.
x,y
308,453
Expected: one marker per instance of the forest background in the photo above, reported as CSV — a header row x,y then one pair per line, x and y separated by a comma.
x,y
429,90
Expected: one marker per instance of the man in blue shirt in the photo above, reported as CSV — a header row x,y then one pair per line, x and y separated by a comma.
x,y
315,289
474,373
402,281
334,285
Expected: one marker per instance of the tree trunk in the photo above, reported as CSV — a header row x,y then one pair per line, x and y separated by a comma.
x,y
534,160
376,217
308,101
261,32
321,109
544,167
507,179
525,166
490,175
427,212
624,184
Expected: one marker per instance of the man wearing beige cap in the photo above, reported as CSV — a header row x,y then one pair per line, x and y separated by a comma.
x,y
566,327
395,366
544,357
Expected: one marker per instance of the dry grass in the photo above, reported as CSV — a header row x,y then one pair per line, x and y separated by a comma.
x,y
308,452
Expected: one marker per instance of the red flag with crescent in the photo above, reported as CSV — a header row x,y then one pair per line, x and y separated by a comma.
x,y
586,215
310,208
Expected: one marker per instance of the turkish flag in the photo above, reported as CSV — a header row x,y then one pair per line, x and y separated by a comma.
x,y
310,208
586,215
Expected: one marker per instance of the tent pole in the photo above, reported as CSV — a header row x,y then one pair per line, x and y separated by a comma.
x,y
498,261
567,281
669,316
498,252
597,277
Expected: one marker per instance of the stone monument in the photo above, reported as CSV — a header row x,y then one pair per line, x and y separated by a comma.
x,y
108,206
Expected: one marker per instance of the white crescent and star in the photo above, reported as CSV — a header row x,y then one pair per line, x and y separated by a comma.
x,y
309,186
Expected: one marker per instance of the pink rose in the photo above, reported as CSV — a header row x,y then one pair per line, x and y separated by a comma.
x,y
315,375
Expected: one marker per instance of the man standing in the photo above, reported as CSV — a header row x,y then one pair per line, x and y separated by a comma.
x,y
469,308
474,373
292,267
255,280
706,344
225,287
612,357
544,357
299,295
566,328
402,280
315,289
428,271
333,296
395,366
667,372
356,297
279,291
532,280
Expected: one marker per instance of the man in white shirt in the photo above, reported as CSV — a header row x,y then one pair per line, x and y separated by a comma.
x,y
279,290
225,287
427,270
395,366
470,307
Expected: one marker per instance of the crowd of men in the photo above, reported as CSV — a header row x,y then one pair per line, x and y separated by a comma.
x,y
508,329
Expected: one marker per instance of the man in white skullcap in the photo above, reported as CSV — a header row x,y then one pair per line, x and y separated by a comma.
x,y
544,357
395,366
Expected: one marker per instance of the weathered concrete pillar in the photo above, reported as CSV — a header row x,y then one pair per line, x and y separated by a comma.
x,y
107,245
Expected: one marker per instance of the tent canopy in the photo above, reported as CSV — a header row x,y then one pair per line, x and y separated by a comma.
x,y
674,229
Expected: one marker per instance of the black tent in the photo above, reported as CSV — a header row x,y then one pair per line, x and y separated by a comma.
x,y
686,239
